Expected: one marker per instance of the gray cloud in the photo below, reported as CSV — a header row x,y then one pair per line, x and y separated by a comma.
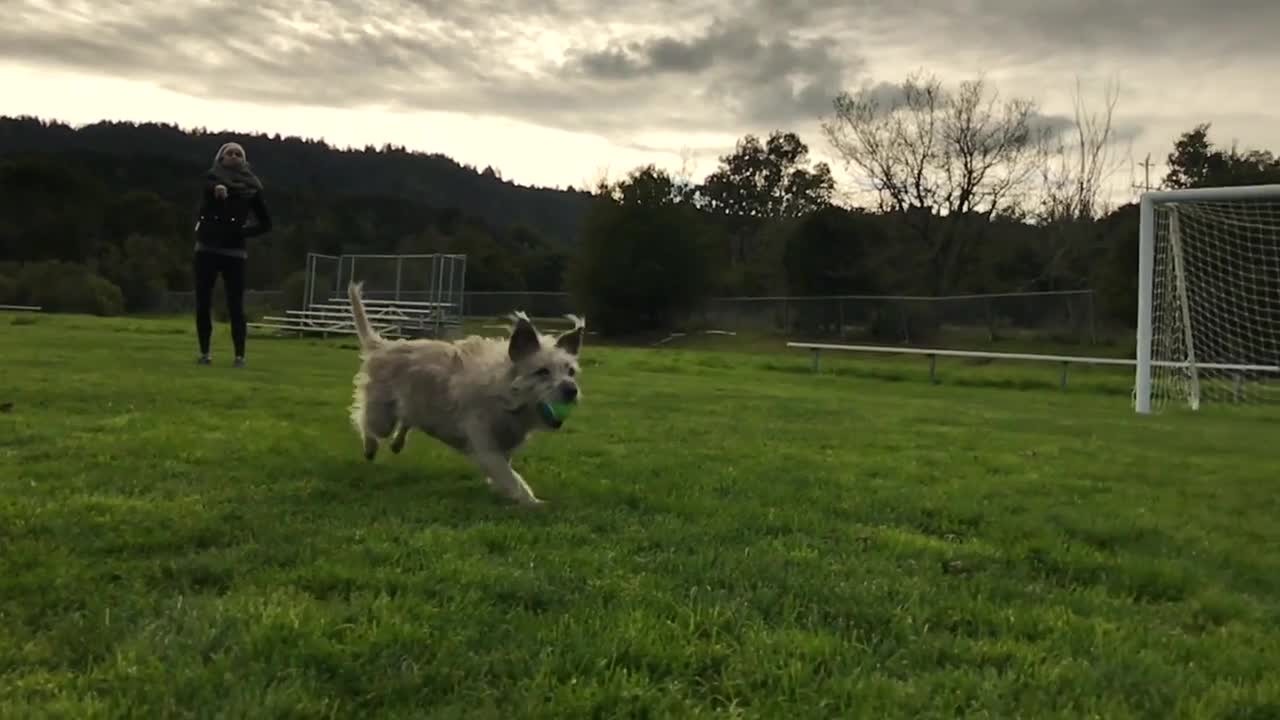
x,y
763,78
482,56
732,43
735,66
1207,31
1188,28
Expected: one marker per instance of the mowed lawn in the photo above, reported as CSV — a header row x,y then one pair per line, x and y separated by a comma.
x,y
728,535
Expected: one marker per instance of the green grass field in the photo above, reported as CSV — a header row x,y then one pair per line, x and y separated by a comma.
x,y
728,535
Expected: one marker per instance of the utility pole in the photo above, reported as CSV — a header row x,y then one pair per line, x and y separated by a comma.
x,y
1146,165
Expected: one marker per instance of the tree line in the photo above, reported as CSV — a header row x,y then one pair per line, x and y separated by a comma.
x,y
955,191
959,193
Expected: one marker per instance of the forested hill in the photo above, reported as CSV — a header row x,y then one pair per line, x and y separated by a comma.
x,y
301,165
99,219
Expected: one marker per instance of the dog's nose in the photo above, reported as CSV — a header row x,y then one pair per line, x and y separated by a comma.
x,y
569,391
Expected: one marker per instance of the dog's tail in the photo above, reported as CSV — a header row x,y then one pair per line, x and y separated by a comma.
x,y
369,338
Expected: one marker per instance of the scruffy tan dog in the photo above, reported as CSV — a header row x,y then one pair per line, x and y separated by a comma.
x,y
480,396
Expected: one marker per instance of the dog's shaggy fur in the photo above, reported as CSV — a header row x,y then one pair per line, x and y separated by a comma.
x,y
480,396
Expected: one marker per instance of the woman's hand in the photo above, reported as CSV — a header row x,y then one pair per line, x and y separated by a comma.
x,y
220,191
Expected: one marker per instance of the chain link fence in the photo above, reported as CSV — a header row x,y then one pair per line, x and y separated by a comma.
x,y
180,302
1066,316
536,304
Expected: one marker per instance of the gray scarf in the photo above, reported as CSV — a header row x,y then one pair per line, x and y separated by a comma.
x,y
239,181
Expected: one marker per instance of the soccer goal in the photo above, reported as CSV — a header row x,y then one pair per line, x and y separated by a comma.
x,y
1208,297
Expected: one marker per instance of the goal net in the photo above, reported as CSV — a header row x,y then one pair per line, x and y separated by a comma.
x,y
1209,298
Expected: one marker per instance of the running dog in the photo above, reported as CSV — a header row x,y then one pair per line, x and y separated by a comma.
x,y
480,396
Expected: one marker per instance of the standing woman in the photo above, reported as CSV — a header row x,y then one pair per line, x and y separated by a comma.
x,y
231,193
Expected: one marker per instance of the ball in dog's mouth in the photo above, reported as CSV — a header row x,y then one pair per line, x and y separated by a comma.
x,y
554,414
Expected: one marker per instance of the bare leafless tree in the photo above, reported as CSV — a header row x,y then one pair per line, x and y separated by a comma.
x,y
688,165
1079,160
929,153
918,146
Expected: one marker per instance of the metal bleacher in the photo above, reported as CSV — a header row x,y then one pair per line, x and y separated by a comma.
x,y
439,277
391,318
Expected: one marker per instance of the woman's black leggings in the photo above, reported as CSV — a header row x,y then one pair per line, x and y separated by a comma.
x,y
208,266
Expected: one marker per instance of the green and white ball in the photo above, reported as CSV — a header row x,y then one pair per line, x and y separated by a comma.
x,y
558,411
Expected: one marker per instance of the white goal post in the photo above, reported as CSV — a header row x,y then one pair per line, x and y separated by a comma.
x,y
1208,297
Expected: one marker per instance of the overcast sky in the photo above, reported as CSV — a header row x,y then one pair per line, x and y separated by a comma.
x,y
556,92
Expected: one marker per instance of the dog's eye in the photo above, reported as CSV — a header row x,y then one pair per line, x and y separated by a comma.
x,y
543,372
572,371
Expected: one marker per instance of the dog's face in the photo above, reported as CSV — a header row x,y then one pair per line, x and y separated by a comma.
x,y
544,370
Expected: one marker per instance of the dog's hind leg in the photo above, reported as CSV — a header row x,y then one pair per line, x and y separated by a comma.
x,y
397,442
374,416
378,423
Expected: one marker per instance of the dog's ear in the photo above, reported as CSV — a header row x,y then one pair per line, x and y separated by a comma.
x,y
524,339
571,342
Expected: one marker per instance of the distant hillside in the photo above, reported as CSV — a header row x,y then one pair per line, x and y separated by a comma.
x,y
308,166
